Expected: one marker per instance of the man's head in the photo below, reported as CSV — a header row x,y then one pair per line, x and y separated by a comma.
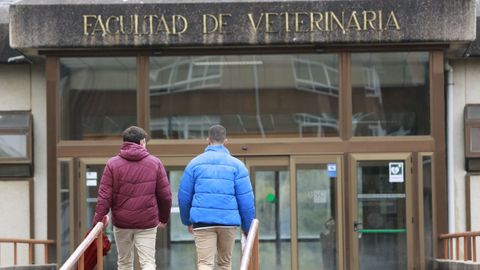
x,y
135,134
217,134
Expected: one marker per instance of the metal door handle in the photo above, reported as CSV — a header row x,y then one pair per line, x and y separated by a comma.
x,y
357,226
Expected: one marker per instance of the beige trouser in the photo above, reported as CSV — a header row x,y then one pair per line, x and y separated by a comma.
x,y
144,242
210,240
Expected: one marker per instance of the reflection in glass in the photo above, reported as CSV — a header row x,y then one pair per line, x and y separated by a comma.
x,y
428,211
13,146
390,94
381,215
251,95
272,207
317,244
97,97
65,211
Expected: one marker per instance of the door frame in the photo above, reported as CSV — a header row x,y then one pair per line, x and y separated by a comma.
x,y
353,207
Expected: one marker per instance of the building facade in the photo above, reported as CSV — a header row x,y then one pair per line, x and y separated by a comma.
x,y
348,114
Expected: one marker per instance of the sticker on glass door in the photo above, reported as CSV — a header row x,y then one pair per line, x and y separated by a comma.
x,y
396,172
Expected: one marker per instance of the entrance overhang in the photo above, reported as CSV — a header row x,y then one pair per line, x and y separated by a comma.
x,y
7,54
116,24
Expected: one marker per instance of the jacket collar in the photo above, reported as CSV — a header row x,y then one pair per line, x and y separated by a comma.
x,y
217,148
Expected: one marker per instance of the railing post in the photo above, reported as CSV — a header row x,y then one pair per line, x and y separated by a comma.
x,y
14,253
445,248
45,246
465,248
30,253
81,262
474,248
100,251
245,262
255,252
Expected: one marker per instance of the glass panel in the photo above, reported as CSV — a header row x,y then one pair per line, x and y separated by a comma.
x,y
180,253
272,205
390,94
13,146
92,181
65,210
428,211
9,120
473,112
16,170
97,97
317,244
381,215
251,95
475,140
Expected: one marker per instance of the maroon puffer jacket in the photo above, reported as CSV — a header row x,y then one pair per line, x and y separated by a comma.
x,y
135,186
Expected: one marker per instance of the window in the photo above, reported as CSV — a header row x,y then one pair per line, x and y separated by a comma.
x,y
390,94
98,98
15,144
253,96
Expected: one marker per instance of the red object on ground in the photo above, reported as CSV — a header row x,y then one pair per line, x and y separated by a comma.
x,y
90,255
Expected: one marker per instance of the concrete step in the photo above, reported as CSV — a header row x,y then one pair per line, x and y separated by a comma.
x,y
30,267
457,265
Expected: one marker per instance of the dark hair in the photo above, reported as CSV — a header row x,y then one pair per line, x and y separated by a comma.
x,y
134,134
217,133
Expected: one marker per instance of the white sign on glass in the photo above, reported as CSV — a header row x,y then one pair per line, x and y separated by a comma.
x,y
91,179
396,172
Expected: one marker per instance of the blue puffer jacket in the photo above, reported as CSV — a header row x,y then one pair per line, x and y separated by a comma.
x,y
216,189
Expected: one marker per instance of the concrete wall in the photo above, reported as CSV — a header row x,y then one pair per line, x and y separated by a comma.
x,y
23,87
466,91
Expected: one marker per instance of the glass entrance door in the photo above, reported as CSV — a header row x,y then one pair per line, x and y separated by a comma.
x,y
271,183
298,201
91,171
175,247
381,211
317,240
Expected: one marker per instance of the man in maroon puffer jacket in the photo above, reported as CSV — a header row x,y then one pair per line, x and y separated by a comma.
x,y
135,187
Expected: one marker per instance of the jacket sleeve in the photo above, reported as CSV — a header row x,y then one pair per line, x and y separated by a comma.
x,y
104,200
245,199
185,196
163,194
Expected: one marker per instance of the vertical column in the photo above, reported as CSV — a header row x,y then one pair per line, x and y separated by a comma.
x,y
143,93
52,77
437,111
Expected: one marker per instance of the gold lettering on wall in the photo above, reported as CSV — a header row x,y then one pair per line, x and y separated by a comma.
x,y
268,23
392,21
255,24
369,18
353,22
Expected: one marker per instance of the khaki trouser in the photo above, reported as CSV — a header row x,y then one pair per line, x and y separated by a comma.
x,y
144,242
209,241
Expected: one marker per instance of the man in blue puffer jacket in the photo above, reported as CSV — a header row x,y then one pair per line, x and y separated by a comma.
x,y
215,196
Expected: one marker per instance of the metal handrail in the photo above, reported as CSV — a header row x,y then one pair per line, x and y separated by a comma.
x,y
78,254
251,243
31,243
469,238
